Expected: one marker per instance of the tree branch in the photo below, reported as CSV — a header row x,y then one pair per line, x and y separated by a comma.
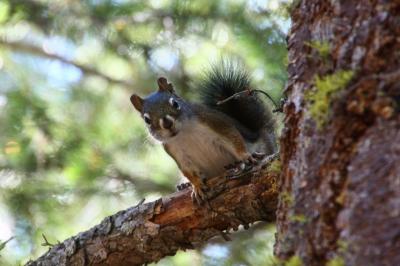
x,y
34,50
148,232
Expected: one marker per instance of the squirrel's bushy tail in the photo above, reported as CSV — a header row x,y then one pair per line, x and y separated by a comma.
x,y
224,80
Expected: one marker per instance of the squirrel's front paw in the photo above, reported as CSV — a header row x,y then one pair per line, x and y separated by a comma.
x,y
241,167
255,158
199,195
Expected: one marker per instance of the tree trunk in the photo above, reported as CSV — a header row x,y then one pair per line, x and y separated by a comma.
x,y
340,149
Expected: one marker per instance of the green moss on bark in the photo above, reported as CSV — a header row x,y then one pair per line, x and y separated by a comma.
x,y
299,218
325,90
287,198
275,166
337,261
323,48
294,261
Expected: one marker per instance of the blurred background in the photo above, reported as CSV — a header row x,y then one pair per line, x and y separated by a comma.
x,y
72,148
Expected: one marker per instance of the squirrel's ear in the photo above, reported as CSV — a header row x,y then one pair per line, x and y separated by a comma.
x,y
137,102
163,85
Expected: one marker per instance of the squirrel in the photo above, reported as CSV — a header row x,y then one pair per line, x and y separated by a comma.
x,y
204,138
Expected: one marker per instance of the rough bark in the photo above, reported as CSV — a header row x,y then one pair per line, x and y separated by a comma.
x,y
148,232
340,182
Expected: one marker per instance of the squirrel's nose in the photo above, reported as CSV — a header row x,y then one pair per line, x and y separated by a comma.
x,y
167,122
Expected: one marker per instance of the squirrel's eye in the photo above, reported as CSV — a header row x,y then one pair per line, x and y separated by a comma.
x,y
174,103
147,119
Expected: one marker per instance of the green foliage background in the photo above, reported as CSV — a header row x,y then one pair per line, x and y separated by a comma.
x,y
72,149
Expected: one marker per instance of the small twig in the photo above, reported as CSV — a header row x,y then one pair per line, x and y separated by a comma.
x,y
3,244
247,92
141,202
46,243
235,96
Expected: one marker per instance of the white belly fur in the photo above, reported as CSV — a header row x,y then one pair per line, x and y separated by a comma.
x,y
198,148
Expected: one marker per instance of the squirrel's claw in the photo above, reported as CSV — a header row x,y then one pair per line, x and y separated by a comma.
x,y
199,196
258,155
182,186
254,159
241,167
251,161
